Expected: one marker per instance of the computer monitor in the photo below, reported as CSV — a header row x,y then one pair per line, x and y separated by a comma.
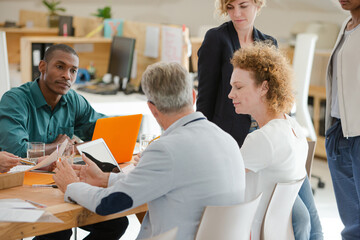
x,y
121,58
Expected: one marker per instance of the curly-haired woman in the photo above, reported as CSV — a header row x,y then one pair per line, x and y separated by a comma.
x,y
262,87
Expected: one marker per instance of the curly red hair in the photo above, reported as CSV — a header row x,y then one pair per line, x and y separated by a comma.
x,y
267,63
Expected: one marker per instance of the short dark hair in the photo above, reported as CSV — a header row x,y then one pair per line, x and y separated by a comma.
x,y
58,47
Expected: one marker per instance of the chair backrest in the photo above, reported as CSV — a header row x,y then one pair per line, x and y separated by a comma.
x,y
4,65
169,235
277,224
228,222
302,64
310,157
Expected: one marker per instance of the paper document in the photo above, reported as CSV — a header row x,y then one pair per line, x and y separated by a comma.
x,y
152,42
172,43
15,203
20,215
18,210
52,157
46,162
20,168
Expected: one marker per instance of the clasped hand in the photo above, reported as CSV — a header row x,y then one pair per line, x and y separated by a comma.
x,y
90,173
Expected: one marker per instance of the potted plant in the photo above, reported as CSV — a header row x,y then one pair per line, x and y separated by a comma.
x,y
103,13
53,18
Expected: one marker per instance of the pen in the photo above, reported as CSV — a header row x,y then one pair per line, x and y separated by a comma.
x,y
45,185
154,139
35,203
23,160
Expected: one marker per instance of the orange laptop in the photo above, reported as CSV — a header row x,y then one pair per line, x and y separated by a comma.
x,y
119,134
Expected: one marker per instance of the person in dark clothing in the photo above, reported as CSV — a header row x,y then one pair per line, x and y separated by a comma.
x,y
215,69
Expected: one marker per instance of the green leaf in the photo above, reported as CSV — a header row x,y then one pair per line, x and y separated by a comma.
x,y
52,6
103,12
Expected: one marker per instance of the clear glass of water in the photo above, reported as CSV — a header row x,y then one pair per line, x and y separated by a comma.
x,y
69,153
145,139
35,150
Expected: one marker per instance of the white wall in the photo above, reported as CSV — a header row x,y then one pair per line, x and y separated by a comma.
x,y
4,65
276,19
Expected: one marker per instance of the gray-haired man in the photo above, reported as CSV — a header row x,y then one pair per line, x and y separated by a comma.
x,y
192,165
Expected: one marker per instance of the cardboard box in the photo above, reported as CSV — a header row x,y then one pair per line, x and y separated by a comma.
x,y
8,180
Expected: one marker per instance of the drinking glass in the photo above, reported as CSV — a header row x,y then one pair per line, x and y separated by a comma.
x,y
145,139
35,150
68,153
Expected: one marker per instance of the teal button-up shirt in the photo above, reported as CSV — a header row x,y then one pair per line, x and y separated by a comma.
x,y
26,117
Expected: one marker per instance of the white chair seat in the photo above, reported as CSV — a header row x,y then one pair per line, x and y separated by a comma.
x,y
228,222
277,223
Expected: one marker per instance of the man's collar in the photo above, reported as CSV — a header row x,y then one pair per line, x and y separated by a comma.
x,y
39,98
180,122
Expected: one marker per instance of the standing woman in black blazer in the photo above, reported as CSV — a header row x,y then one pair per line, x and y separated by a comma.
x,y
214,68
214,72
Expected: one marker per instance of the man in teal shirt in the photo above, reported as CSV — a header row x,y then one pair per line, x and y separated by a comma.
x,y
47,110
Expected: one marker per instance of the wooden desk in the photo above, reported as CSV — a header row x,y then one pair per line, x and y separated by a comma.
x,y
73,215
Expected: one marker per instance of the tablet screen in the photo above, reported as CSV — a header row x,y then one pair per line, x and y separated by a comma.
x,y
98,150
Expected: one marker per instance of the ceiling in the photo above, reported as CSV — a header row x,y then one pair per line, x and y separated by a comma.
x,y
307,5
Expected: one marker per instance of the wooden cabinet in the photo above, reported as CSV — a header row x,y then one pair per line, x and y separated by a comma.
x,y
317,105
317,98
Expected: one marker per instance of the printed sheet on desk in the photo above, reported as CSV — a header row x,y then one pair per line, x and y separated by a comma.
x,y
18,210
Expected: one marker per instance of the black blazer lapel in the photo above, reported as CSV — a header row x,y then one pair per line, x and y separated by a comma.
x,y
233,36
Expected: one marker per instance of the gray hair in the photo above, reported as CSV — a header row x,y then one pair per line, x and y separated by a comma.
x,y
168,87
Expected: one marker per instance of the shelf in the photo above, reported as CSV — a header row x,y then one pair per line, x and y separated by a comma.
x,y
13,36
99,54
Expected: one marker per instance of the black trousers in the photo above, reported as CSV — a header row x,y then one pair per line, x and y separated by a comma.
x,y
110,230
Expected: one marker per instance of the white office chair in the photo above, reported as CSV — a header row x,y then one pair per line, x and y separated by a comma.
x,y
4,65
277,223
302,64
228,222
169,235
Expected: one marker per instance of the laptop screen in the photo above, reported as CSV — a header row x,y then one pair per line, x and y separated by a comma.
x,y
120,134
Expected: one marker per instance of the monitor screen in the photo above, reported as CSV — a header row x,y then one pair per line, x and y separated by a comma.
x,y
121,57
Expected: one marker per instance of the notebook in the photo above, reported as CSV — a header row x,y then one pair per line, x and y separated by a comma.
x,y
119,134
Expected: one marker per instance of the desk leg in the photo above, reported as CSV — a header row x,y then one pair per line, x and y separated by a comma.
x,y
140,216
